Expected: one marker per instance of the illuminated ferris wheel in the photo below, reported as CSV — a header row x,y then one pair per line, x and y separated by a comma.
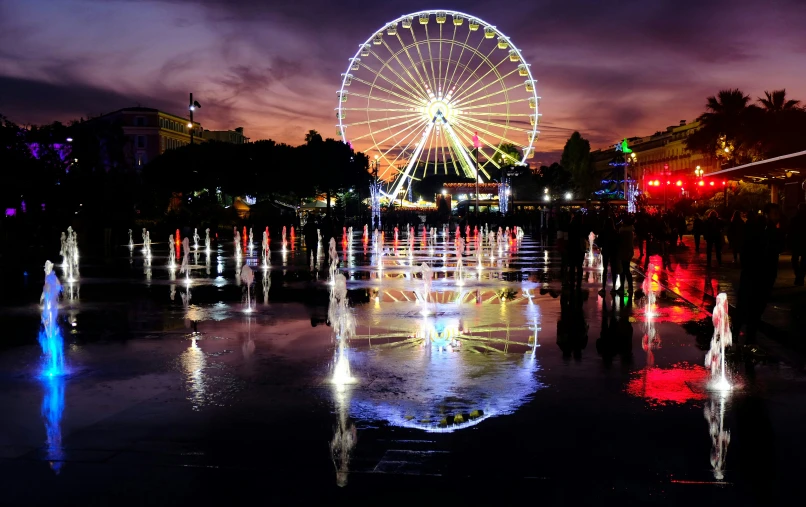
x,y
438,92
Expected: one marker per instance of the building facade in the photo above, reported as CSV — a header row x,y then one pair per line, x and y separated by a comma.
x,y
660,155
151,132
227,136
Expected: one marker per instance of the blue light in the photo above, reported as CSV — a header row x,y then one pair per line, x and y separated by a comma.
x,y
52,410
50,335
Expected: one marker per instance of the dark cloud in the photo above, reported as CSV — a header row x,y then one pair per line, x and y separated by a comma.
x,y
32,101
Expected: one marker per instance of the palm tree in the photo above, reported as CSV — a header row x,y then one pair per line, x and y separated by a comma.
x,y
775,102
782,124
728,118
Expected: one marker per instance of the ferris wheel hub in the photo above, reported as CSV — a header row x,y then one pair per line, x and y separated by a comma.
x,y
441,107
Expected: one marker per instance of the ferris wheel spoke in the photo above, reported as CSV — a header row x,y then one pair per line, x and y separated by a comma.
x,y
379,120
382,99
459,152
431,61
448,80
492,104
431,137
475,52
500,79
409,98
475,122
414,84
410,90
422,60
371,132
420,79
487,158
462,105
413,134
381,109
474,72
414,99
470,164
492,146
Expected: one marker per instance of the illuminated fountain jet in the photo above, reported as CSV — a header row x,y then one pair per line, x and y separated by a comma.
x,y
247,277
196,239
50,335
715,358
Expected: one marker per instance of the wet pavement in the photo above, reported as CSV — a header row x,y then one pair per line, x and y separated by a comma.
x,y
491,383
690,277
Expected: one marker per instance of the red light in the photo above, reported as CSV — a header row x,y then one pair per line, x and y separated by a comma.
x,y
712,183
668,182
702,183
657,183
724,182
679,183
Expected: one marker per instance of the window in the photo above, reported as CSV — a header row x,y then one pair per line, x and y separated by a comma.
x,y
139,121
141,141
141,159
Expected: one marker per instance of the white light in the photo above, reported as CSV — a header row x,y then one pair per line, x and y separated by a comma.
x,y
547,197
190,125
192,107
444,192
568,196
69,139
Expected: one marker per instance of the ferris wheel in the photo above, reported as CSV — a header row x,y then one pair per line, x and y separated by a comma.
x,y
438,92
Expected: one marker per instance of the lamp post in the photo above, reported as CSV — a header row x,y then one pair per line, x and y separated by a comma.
x,y
192,106
477,145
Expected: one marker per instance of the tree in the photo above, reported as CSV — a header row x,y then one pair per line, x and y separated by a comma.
x,y
776,101
507,154
576,160
727,127
781,126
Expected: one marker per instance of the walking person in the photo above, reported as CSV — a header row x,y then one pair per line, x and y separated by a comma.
x,y
607,246
797,243
713,238
759,269
682,227
626,249
577,236
697,229
736,235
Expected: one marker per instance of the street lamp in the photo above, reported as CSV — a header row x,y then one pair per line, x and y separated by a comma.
x,y
192,106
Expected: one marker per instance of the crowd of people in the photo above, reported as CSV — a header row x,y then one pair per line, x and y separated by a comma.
x,y
756,239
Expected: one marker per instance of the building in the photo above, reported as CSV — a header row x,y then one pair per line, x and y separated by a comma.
x,y
151,132
660,155
227,136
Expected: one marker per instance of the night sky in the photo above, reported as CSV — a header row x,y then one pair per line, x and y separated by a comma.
x,y
274,67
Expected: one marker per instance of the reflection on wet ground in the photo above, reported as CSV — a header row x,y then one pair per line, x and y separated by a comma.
x,y
487,370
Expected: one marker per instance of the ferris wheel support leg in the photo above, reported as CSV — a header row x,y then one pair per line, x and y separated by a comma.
x,y
412,162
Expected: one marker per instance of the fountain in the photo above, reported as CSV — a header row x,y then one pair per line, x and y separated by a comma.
x,y
715,358
69,253
185,267
207,240
366,233
236,240
342,321
592,260
251,240
171,253
395,234
266,286
195,239
460,247
285,242
131,241
428,276
247,277
334,260
50,336
146,244
265,248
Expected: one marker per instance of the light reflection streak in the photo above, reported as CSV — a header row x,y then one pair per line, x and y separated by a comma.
x,y
193,362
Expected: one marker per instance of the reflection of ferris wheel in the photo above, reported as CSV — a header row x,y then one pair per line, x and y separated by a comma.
x,y
424,98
